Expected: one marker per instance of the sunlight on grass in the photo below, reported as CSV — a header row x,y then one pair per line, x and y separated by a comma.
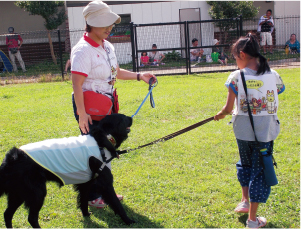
x,y
189,181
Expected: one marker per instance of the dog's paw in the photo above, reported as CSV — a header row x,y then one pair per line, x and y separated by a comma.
x,y
130,221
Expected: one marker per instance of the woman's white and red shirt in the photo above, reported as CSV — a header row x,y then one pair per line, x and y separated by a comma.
x,y
97,64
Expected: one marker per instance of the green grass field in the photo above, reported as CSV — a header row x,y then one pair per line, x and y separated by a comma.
x,y
187,182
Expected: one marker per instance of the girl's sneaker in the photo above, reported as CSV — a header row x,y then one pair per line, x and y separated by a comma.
x,y
260,222
242,207
99,202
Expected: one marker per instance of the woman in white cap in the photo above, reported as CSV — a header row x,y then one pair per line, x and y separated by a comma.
x,y
94,68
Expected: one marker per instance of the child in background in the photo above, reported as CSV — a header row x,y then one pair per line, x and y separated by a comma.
x,y
249,169
144,59
223,58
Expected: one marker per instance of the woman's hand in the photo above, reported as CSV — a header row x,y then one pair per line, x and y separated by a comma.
x,y
147,76
127,75
84,120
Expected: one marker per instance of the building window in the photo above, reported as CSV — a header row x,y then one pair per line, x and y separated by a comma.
x,y
121,32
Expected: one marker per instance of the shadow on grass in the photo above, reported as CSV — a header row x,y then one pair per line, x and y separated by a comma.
x,y
114,221
243,219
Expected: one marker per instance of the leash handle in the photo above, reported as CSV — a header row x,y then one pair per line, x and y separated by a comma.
x,y
151,87
151,84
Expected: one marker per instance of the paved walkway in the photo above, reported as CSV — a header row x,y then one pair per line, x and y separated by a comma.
x,y
285,63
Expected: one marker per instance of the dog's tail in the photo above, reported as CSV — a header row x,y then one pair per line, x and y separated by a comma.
x,y
9,157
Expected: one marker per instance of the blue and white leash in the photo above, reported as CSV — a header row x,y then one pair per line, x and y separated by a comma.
x,y
150,89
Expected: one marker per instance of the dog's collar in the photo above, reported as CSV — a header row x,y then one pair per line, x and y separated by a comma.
x,y
111,139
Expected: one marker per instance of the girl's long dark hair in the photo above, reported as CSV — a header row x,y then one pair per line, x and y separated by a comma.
x,y
250,46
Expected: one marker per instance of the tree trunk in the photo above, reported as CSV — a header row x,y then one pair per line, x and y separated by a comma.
x,y
51,48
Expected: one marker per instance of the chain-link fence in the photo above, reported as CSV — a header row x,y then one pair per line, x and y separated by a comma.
x,y
174,40
43,52
172,53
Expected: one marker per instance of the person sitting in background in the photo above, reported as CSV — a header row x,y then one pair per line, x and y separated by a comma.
x,y
196,53
222,57
144,60
216,49
293,44
156,57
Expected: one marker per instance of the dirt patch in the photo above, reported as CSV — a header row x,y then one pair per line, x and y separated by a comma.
x,y
34,79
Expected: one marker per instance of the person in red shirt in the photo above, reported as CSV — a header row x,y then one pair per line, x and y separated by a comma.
x,y
12,42
144,59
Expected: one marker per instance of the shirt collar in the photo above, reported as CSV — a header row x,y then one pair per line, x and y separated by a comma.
x,y
90,41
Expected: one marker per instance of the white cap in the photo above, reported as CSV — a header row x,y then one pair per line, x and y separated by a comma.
x,y
99,14
215,41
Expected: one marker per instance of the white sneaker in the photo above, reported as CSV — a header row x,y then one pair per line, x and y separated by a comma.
x,y
242,207
260,222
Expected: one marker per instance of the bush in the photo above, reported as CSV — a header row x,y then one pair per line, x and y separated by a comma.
x,y
173,56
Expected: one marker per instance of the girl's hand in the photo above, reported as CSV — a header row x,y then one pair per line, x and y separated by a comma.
x,y
146,77
219,116
84,120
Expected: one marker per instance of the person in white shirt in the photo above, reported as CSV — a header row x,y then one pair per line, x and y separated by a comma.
x,y
94,67
196,53
263,86
266,27
156,57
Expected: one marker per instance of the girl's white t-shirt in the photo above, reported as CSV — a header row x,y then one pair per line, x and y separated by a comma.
x,y
267,128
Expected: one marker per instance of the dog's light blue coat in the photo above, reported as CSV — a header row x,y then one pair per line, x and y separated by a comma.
x,y
67,158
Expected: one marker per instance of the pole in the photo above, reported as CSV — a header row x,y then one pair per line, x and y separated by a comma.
x,y
133,46
61,55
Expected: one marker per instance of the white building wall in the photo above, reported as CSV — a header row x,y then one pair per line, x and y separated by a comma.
x,y
145,13
285,27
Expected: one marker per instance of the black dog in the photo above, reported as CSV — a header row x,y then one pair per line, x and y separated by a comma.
x,y
23,179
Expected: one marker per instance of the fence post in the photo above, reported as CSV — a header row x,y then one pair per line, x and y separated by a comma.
x,y
186,48
136,48
133,46
240,24
61,56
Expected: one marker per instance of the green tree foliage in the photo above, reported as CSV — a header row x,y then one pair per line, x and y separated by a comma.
x,y
51,11
231,9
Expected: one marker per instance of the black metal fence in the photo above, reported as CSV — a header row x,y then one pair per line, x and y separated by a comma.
x,y
173,40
